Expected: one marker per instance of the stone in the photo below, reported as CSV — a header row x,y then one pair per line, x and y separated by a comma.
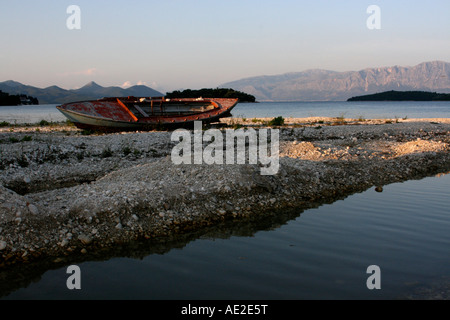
x,y
84,239
33,209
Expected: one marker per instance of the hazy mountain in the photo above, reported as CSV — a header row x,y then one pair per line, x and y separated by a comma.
x,y
309,85
325,85
56,95
90,87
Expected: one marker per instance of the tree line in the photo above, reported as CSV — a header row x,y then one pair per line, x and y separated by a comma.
x,y
14,100
403,96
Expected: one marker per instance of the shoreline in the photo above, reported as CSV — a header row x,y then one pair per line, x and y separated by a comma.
x,y
66,196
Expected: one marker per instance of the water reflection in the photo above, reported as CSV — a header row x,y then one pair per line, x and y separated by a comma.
x,y
404,229
22,276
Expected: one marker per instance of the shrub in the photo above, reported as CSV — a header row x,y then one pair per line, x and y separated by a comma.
x,y
126,150
278,121
106,153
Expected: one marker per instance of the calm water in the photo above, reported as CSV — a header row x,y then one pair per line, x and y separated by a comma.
x,y
320,253
31,114
367,110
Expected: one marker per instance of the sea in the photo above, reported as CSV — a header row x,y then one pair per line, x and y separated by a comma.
x,y
371,245
355,110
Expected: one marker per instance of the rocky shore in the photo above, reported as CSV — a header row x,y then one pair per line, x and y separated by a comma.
x,y
66,195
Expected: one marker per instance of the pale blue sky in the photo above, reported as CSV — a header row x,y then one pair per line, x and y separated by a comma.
x,y
176,44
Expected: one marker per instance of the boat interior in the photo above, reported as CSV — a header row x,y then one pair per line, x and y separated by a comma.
x,y
145,108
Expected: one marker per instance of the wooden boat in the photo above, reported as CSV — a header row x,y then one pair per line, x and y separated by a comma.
x,y
131,113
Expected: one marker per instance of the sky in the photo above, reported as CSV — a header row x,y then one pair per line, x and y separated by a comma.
x,y
178,44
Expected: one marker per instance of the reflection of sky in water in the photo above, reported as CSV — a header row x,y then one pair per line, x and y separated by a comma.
x,y
320,253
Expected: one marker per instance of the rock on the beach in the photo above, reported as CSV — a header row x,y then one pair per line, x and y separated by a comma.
x,y
33,209
84,239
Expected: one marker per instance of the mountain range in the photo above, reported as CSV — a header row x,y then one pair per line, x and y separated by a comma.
x,y
325,85
91,91
309,85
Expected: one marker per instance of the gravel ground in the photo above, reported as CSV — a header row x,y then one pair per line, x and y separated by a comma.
x,y
65,194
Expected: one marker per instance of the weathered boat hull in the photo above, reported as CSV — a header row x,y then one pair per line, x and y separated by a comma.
x,y
125,114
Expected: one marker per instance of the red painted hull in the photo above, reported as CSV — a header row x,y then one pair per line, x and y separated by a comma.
x,y
131,113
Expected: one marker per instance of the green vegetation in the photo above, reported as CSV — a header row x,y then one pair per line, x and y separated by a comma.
x,y
403,96
126,150
106,153
278,121
211,93
235,123
24,139
14,100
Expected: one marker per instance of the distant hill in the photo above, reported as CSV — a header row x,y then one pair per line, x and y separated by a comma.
x,y
403,96
212,93
325,85
91,91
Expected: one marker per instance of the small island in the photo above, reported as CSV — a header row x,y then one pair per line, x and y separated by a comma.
x,y
211,93
403,96
16,100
